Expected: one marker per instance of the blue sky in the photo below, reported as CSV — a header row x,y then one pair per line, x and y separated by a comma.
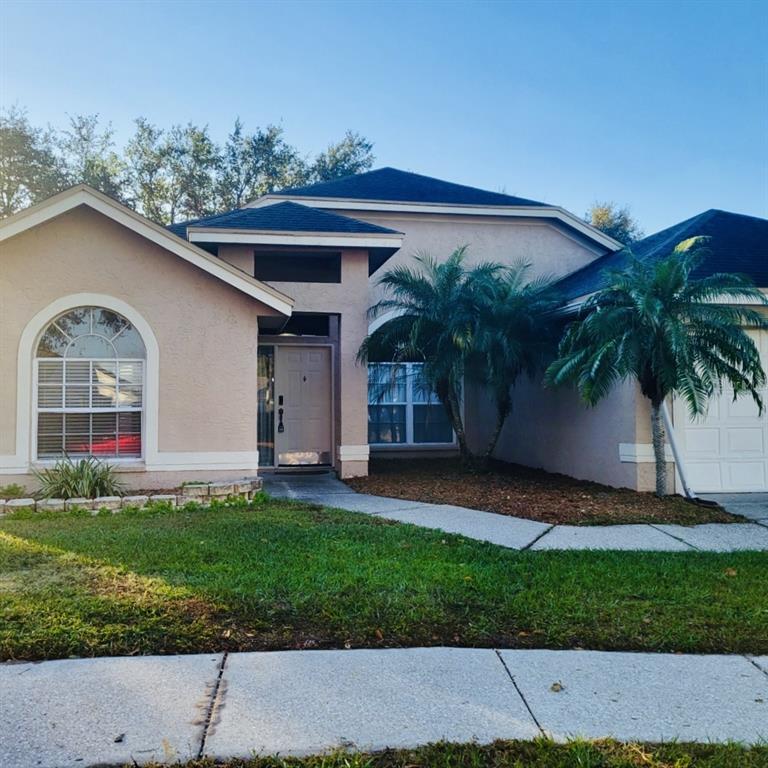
x,y
661,105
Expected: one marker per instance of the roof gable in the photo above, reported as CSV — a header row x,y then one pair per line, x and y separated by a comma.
x,y
85,195
403,186
739,243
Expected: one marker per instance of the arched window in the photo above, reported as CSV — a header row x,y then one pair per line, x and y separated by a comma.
x,y
90,386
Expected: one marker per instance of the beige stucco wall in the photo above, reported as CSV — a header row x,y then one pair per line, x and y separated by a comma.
x,y
548,246
348,299
206,330
240,256
554,430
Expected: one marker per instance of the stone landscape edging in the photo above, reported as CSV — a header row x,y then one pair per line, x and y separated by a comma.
x,y
202,494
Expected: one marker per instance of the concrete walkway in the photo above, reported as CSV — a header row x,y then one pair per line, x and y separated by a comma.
x,y
518,533
85,712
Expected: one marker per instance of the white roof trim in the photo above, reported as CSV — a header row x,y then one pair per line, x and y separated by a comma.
x,y
85,195
574,305
271,237
527,211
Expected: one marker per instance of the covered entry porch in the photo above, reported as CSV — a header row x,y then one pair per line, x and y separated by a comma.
x,y
311,394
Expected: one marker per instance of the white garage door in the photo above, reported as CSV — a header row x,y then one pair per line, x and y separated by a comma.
x,y
727,450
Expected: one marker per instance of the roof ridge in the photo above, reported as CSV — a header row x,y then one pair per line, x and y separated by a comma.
x,y
679,231
503,198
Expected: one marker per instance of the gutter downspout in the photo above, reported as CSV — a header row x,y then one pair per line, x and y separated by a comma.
x,y
675,451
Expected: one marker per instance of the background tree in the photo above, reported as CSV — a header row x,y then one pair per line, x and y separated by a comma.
x,y
353,154
671,333
237,172
167,175
191,161
30,171
89,157
255,164
614,221
148,185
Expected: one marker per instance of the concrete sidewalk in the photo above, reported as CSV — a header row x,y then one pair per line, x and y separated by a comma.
x,y
85,712
518,533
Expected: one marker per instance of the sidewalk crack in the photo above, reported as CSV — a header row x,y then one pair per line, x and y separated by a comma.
x,y
540,536
756,665
672,536
519,692
213,705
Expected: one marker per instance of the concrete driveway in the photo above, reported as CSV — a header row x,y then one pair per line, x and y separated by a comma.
x,y
751,505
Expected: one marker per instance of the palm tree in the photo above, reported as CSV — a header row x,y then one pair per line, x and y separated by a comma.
x,y
672,333
434,323
514,334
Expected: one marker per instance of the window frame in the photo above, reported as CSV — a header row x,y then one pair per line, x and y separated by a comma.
x,y
37,410
409,403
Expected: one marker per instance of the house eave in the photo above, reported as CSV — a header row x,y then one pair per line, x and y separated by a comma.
x,y
272,237
505,211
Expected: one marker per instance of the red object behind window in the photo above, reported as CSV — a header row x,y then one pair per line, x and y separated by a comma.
x,y
125,445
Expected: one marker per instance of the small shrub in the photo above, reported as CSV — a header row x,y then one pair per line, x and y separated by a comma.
x,y
13,491
87,478
163,507
259,498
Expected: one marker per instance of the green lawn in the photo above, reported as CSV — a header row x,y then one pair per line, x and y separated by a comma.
x,y
525,754
286,575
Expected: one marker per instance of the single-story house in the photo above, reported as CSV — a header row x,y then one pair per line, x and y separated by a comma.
x,y
224,346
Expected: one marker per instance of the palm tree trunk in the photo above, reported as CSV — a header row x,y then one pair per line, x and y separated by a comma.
x,y
657,430
454,414
489,449
502,411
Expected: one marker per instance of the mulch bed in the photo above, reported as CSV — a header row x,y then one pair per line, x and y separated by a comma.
x,y
511,489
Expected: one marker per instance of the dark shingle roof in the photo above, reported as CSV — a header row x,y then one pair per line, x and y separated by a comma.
x,y
739,244
402,186
282,217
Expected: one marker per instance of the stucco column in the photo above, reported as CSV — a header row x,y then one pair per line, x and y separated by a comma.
x,y
352,450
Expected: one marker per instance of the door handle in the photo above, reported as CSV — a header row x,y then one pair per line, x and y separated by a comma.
x,y
280,425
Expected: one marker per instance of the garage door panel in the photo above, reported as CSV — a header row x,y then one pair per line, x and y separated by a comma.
x,y
743,408
711,413
746,440
746,476
702,474
727,448
703,442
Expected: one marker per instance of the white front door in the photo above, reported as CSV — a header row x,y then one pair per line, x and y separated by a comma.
x,y
727,449
304,405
